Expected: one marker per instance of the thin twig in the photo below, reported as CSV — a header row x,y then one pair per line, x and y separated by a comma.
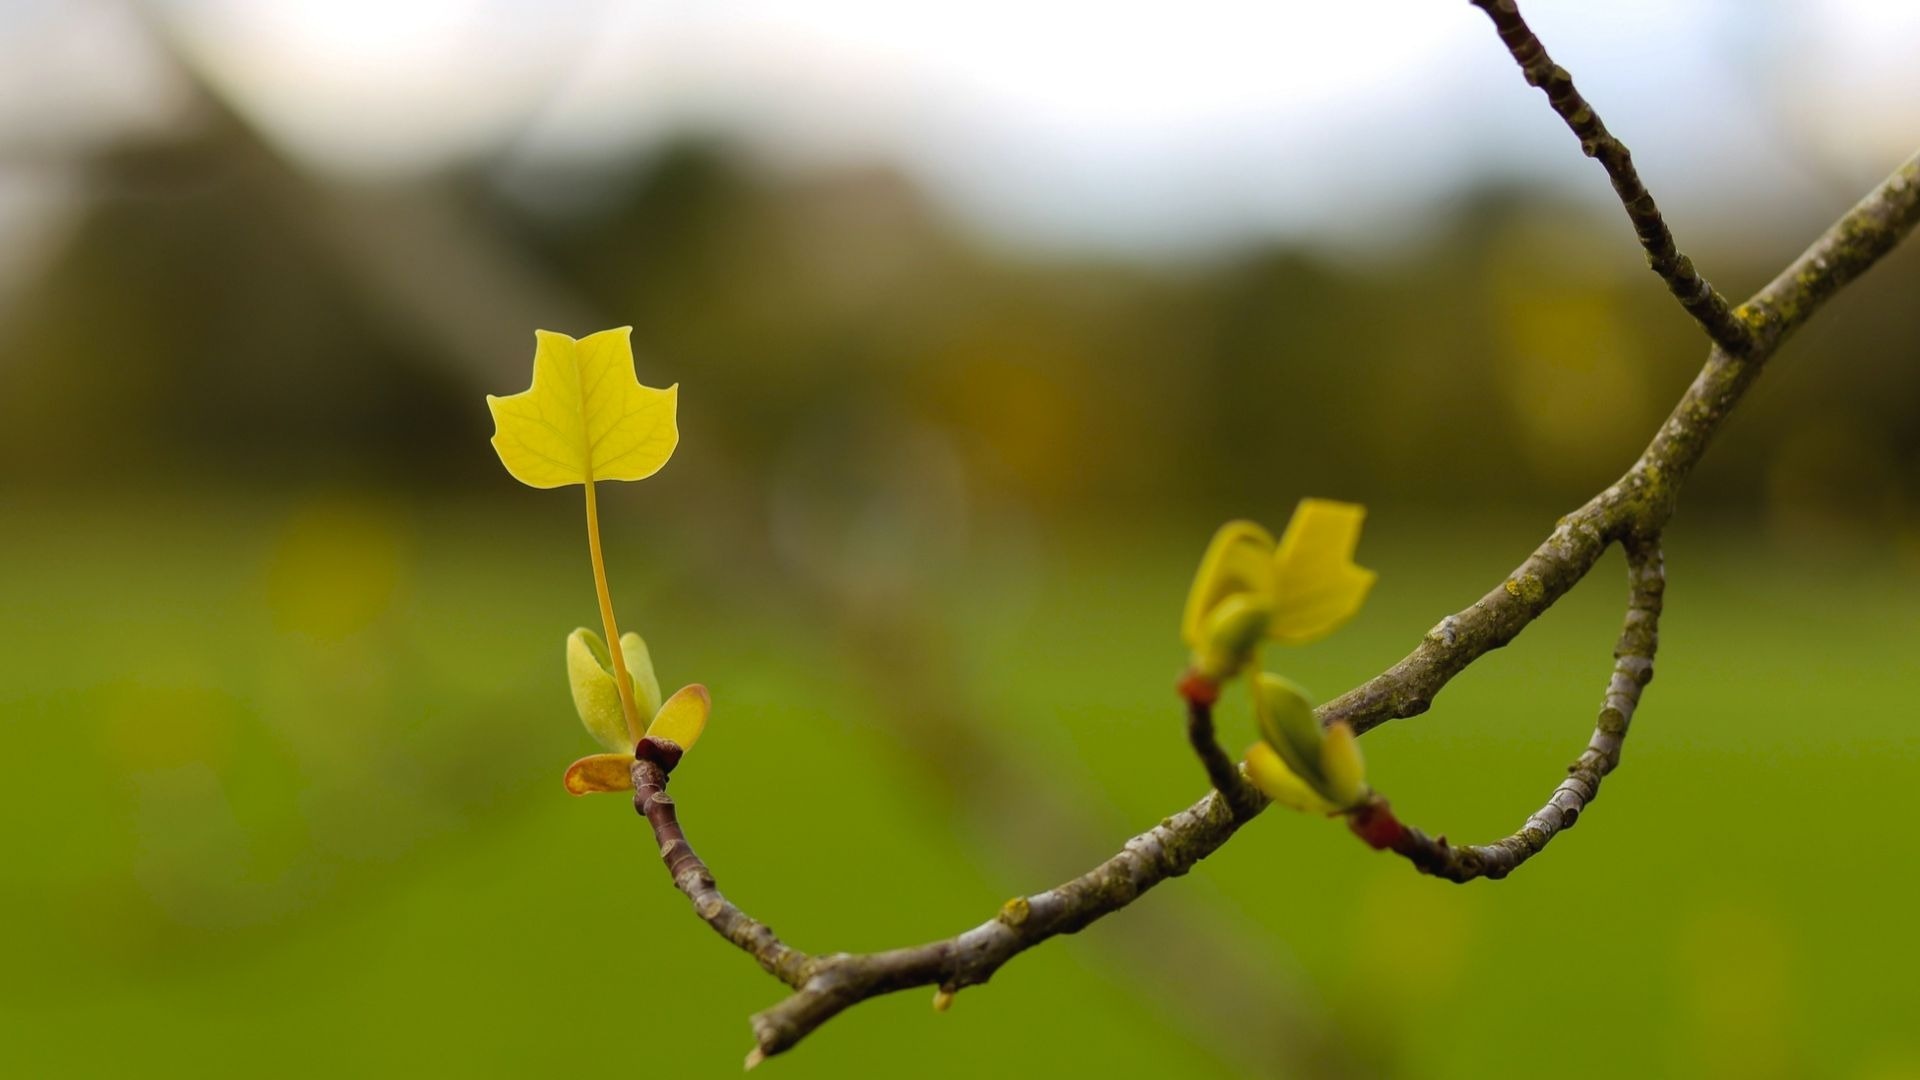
x,y
691,876
1695,293
1242,797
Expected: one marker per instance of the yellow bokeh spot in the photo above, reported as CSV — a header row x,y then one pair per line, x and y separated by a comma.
x,y
1737,992
1411,943
335,568
1575,374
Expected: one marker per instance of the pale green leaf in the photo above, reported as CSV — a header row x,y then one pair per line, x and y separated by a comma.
x,y
596,697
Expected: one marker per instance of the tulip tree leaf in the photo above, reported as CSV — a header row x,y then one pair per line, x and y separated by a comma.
x,y
586,417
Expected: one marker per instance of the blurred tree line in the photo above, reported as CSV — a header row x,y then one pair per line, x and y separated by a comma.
x,y
206,318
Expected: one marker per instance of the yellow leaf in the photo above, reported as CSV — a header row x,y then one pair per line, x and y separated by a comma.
x,y
586,417
1271,775
1239,559
600,772
683,717
1316,586
1343,768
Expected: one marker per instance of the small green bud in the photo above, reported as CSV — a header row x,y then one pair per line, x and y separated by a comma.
x,y
1289,726
1326,762
596,697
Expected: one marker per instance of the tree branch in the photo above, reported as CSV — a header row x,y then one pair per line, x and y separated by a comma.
x,y
1641,502
825,985
1695,293
1632,512
691,876
1874,227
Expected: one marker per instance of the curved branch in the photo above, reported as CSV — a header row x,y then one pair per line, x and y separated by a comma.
x,y
1695,293
1632,670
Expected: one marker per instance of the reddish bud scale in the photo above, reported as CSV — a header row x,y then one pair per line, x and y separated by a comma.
x,y
1197,689
662,752
1374,823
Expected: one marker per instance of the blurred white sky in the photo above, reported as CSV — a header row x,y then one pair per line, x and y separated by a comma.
x,y
1126,126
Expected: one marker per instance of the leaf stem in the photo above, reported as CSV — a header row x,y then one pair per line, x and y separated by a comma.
x,y
620,677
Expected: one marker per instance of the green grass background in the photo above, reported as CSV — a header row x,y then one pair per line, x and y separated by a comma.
x,y
282,795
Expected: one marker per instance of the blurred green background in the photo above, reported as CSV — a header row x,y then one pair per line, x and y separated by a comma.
x,y
282,643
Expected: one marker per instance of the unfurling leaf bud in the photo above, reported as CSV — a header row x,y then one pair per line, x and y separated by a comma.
x,y
1305,585
1271,775
1229,634
1298,764
1288,724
